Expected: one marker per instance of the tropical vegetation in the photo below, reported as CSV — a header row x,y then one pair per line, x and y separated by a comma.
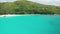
x,y
27,7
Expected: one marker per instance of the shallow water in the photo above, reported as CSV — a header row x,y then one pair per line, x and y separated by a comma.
x,y
34,24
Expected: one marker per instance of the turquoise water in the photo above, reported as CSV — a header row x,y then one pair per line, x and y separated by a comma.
x,y
34,24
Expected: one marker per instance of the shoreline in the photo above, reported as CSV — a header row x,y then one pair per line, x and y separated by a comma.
x,y
8,15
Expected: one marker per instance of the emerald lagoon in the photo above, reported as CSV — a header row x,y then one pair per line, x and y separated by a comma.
x,y
30,24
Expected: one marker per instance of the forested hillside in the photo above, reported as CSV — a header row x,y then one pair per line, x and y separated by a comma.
x,y
27,7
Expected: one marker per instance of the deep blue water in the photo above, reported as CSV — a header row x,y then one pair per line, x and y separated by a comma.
x,y
33,24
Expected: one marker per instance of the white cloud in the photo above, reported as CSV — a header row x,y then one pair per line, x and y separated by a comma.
x,y
7,0
50,2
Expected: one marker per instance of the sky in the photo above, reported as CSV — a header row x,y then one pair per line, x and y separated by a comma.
x,y
49,2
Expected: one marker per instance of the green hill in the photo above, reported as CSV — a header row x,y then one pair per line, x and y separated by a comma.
x,y
27,7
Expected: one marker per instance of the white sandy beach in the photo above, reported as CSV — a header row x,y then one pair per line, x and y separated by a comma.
x,y
9,15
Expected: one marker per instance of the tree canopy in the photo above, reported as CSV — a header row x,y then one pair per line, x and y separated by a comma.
x,y
27,7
